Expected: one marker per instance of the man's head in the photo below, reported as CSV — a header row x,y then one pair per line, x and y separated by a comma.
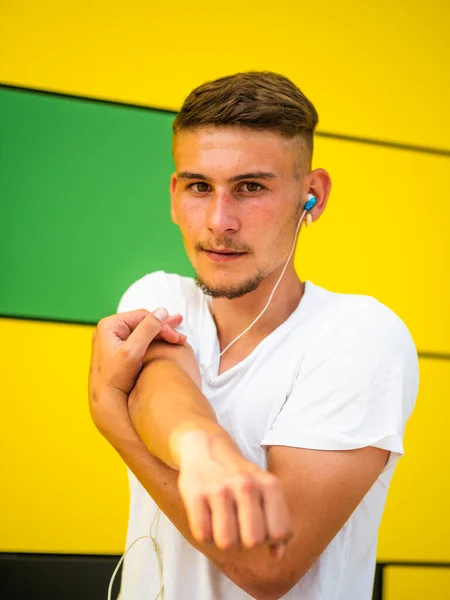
x,y
242,148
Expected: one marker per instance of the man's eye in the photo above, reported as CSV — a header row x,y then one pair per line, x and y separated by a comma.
x,y
252,186
200,186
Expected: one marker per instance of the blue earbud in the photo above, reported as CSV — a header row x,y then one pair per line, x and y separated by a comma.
x,y
311,202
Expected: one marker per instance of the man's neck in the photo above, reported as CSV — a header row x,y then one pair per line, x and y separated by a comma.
x,y
232,317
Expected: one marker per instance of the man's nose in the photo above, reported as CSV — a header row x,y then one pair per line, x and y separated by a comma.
x,y
221,214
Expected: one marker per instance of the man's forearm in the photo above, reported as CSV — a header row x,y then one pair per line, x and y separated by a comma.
x,y
166,404
179,428
254,570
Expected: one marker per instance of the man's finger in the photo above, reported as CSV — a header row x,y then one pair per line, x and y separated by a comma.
x,y
277,550
174,320
161,313
140,339
278,520
224,519
128,321
169,334
199,517
252,524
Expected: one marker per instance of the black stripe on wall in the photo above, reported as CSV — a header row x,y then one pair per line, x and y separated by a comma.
x,y
326,134
71,577
57,576
86,576
424,355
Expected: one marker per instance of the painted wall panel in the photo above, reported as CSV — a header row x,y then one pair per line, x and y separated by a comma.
x,y
85,209
85,212
415,524
385,233
377,70
415,583
66,490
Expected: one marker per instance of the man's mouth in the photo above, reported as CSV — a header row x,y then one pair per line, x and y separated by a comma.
x,y
223,255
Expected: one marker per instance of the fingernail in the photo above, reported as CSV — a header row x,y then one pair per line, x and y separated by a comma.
x,y
161,314
280,550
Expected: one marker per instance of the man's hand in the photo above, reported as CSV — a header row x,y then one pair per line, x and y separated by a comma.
x,y
228,499
119,344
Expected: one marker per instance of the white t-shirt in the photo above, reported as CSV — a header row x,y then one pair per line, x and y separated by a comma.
x,y
340,373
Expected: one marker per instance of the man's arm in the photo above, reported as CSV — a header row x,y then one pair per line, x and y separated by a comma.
x,y
322,488
169,373
227,498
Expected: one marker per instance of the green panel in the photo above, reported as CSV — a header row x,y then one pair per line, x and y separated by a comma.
x,y
84,197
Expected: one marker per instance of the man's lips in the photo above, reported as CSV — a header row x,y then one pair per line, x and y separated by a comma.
x,y
223,255
222,251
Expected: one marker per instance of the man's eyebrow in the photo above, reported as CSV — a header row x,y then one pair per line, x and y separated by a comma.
x,y
254,175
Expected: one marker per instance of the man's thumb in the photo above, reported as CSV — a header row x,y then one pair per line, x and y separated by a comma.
x,y
145,332
161,313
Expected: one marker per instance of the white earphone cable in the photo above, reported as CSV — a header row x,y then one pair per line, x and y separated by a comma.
x,y
152,537
268,302
158,511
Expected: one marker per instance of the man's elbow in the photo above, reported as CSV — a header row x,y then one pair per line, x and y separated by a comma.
x,y
269,585
270,591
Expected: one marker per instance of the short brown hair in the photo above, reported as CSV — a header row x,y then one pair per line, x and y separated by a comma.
x,y
260,100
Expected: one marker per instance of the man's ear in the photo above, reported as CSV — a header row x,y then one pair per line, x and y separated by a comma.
x,y
173,186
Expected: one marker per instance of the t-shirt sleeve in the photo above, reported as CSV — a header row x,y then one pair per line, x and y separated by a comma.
x,y
356,387
154,290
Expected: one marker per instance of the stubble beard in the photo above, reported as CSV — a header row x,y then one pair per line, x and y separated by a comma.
x,y
231,292
250,285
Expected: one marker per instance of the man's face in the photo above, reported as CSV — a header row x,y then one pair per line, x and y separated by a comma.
x,y
236,196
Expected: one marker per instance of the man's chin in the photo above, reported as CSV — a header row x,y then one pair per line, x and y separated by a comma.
x,y
230,291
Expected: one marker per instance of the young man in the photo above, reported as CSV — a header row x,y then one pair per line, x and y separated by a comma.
x,y
270,463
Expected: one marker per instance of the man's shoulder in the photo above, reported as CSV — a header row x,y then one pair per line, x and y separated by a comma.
x,y
163,279
358,317
157,288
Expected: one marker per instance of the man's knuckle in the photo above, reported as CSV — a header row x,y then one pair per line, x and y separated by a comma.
x,y
226,544
245,484
279,536
270,482
195,497
126,353
218,492
103,322
254,540
200,535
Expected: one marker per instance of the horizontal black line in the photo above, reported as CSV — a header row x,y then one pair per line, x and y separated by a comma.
x,y
386,144
336,136
421,354
100,557
48,320
434,355
413,563
56,556
86,98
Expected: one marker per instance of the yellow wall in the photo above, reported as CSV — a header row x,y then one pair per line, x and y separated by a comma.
x,y
66,488
377,71
372,69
